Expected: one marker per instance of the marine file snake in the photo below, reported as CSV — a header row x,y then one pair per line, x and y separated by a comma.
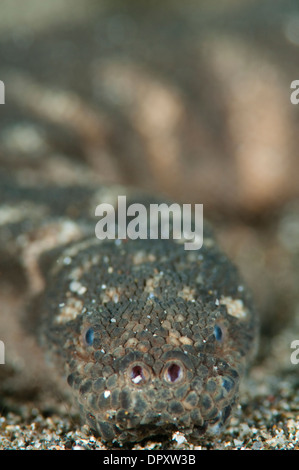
x,y
151,338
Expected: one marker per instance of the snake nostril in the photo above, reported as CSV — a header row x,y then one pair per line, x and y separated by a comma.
x,y
137,374
173,373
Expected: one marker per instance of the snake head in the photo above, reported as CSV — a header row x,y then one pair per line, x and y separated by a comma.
x,y
153,340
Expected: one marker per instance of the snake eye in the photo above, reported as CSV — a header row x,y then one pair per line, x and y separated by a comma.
x,y
173,372
89,336
218,333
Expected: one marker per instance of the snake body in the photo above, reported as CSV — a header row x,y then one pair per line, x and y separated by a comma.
x,y
151,338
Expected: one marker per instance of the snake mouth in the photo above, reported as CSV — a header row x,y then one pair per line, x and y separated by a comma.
x,y
126,432
137,417
130,431
147,432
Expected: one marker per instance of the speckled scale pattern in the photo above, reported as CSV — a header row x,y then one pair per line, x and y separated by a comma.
x,y
151,338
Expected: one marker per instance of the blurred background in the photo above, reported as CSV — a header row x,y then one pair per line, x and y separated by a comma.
x,y
190,100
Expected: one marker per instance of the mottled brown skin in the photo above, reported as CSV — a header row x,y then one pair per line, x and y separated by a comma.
x,y
151,338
